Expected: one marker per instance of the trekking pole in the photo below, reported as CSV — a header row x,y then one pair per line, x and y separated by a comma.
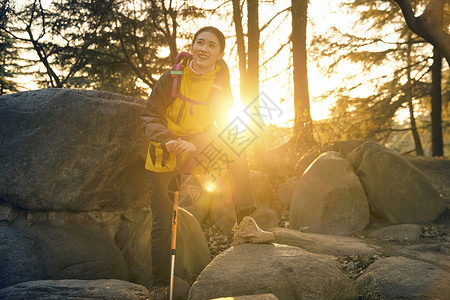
x,y
174,227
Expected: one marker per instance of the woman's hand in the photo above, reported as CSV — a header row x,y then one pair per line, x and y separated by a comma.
x,y
180,146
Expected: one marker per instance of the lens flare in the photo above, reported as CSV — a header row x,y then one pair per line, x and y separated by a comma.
x,y
210,187
237,112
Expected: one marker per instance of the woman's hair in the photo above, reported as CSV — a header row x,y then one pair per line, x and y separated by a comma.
x,y
214,31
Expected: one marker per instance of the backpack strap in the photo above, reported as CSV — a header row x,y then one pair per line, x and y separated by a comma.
x,y
192,102
216,88
177,70
176,73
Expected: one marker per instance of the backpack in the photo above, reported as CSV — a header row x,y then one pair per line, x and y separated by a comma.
x,y
177,71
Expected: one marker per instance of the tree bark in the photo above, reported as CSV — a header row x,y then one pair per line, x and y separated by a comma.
x,y
437,144
303,130
410,95
430,25
242,57
253,50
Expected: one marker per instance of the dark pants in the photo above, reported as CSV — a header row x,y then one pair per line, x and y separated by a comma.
x,y
162,209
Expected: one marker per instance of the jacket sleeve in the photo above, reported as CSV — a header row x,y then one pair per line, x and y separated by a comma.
x,y
153,115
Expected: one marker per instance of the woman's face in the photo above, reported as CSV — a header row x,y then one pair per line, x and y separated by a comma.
x,y
205,52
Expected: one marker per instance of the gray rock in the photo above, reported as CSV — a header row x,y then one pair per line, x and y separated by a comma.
x,y
94,245
396,190
286,190
180,288
286,272
324,244
75,289
343,147
42,251
251,297
436,254
8,213
132,235
306,160
409,232
403,278
192,254
72,150
329,198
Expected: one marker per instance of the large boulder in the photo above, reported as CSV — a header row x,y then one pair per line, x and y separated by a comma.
x,y
343,147
306,160
93,245
192,254
325,244
43,251
284,271
74,194
286,190
76,289
400,232
329,198
396,190
404,278
72,150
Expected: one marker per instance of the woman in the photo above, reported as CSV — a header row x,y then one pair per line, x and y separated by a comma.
x,y
181,116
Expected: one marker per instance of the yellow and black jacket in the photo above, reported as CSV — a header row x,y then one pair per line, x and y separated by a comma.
x,y
194,104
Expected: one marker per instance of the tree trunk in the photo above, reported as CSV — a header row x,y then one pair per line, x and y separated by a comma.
x,y
303,130
430,25
253,50
437,144
242,56
409,95
252,94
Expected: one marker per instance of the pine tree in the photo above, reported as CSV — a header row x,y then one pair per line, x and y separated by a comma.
x,y
388,48
112,45
8,55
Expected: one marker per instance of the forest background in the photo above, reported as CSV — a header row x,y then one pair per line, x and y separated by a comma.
x,y
322,70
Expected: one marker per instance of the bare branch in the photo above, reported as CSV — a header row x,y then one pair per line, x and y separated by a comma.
x,y
428,25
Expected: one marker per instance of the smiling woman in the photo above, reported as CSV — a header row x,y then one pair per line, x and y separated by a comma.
x,y
206,51
179,120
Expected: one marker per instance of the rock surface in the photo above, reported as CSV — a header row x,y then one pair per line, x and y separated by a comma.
x,y
250,297
72,150
324,244
396,190
409,232
75,289
403,278
192,254
43,251
286,189
286,272
74,204
329,198
77,246
74,194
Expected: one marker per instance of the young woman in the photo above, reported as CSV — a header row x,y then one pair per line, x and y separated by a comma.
x,y
182,114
